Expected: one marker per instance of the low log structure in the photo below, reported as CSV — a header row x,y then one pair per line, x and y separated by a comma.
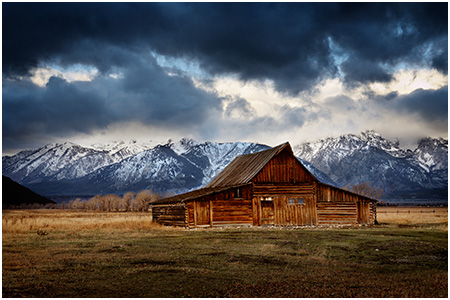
x,y
270,187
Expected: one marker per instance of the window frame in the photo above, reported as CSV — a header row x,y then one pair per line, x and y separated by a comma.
x,y
238,193
293,200
300,199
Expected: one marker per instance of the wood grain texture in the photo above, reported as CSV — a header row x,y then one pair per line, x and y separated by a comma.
x,y
170,215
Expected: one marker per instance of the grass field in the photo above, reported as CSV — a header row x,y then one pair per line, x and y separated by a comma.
x,y
432,217
82,254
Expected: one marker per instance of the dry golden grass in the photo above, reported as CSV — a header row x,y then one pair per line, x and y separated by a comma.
x,y
436,217
65,254
17,221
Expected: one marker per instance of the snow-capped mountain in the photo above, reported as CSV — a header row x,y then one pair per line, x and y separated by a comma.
x,y
118,167
58,169
351,159
120,150
325,152
67,161
58,161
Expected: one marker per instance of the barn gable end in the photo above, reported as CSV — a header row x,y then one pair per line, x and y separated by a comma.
x,y
284,168
270,187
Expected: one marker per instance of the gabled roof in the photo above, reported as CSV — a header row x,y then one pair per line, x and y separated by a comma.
x,y
245,167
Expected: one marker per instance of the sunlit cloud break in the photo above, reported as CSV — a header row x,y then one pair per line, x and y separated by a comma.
x,y
40,76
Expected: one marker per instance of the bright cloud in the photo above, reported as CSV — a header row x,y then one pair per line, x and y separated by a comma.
x,y
40,76
407,81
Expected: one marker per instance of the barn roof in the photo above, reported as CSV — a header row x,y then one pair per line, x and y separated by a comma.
x,y
245,167
194,194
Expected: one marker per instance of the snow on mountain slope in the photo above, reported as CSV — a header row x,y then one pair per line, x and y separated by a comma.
x,y
351,159
182,146
67,160
185,165
432,154
159,169
119,150
212,158
30,166
333,149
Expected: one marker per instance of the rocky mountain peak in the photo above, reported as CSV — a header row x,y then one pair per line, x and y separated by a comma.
x,y
432,153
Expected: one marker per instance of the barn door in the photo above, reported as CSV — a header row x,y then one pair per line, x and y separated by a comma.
x,y
267,214
202,212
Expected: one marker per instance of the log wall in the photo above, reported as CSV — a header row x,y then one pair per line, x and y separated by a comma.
x,y
267,190
330,213
327,193
220,209
169,214
337,206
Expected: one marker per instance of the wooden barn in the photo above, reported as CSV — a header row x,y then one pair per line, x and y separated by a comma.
x,y
270,187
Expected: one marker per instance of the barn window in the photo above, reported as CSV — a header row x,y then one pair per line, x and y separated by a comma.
x,y
291,200
238,193
300,200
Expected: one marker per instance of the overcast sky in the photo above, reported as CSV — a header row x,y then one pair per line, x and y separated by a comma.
x,y
256,72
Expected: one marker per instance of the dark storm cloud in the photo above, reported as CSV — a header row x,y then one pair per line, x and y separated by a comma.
x,y
295,45
440,62
30,112
288,43
377,35
430,105
363,71
143,93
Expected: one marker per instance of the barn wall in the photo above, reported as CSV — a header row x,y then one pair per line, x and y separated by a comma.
x,y
373,213
232,212
271,204
336,213
336,206
169,214
295,214
190,219
366,212
305,189
283,168
221,208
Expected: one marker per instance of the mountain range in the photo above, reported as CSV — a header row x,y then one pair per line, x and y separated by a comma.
x,y
119,167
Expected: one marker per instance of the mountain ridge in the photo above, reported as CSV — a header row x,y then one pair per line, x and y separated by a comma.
x,y
15,194
64,168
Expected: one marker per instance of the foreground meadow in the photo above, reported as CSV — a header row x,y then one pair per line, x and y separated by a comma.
x,y
57,253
